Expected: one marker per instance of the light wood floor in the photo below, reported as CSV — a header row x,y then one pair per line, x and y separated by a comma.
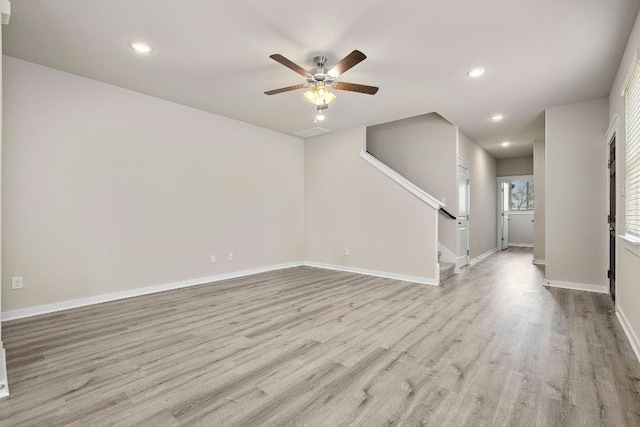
x,y
311,347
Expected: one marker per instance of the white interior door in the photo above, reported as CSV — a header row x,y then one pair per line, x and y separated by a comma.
x,y
463,213
506,188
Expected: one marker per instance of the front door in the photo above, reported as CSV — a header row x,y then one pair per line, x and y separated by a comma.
x,y
612,218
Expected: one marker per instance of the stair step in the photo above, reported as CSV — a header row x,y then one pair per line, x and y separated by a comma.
x,y
446,270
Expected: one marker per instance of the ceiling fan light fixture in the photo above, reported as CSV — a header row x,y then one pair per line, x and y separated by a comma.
x,y
319,95
320,113
329,97
310,95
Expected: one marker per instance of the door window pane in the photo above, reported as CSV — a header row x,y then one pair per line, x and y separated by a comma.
x,y
521,196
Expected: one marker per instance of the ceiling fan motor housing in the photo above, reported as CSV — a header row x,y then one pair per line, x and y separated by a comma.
x,y
320,74
320,61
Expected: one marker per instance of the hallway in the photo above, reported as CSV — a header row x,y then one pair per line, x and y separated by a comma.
x,y
305,346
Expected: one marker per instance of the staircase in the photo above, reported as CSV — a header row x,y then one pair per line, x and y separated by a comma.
x,y
446,268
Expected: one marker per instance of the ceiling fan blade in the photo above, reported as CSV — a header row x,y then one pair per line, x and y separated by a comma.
x,y
285,89
291,65
353,87
349,61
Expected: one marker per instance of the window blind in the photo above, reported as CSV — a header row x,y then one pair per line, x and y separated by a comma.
x,y
632,162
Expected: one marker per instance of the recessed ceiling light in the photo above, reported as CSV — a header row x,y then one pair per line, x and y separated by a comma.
x,y
140,47
506,144
497,117
476,72
320,117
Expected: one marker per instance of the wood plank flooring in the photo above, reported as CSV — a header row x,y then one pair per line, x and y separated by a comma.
x,y
311,347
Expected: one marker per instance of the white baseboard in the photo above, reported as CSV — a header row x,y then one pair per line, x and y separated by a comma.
x,y
603,289
521,245
4,381
539,262
98,299
82,302
375,273
483,256
628,330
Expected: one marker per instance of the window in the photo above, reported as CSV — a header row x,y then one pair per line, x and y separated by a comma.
x,y
521,196
632,162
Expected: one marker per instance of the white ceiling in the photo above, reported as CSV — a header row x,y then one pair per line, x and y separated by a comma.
x,y
214,55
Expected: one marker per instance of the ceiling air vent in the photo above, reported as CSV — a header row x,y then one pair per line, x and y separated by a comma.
x,y
308,133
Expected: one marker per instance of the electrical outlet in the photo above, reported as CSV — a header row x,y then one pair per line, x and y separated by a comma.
x,y
16,283
212,260
346,251
230,256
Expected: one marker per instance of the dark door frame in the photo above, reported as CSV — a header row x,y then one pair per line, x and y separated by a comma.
x,y
613,203
612,217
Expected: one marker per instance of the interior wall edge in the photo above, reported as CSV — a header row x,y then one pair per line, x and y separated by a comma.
x,y
629,332
4,378
602,289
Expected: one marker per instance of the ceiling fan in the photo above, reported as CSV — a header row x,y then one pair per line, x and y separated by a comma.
x,y
321,79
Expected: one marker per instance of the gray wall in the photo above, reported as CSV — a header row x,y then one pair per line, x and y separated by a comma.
x,y
538,212
627,288
483,197
107,190
515,166
576,193
350,204
424,150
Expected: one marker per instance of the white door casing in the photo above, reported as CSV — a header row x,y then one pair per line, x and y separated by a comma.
x,y
463,211
506,187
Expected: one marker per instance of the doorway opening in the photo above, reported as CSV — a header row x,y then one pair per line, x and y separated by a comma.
x,y
516,202
463,212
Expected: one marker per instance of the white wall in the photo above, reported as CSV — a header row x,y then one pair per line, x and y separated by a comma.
x,y
350,204
628,274
540,200
424,150
576,193
483,197
107,190
515,166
